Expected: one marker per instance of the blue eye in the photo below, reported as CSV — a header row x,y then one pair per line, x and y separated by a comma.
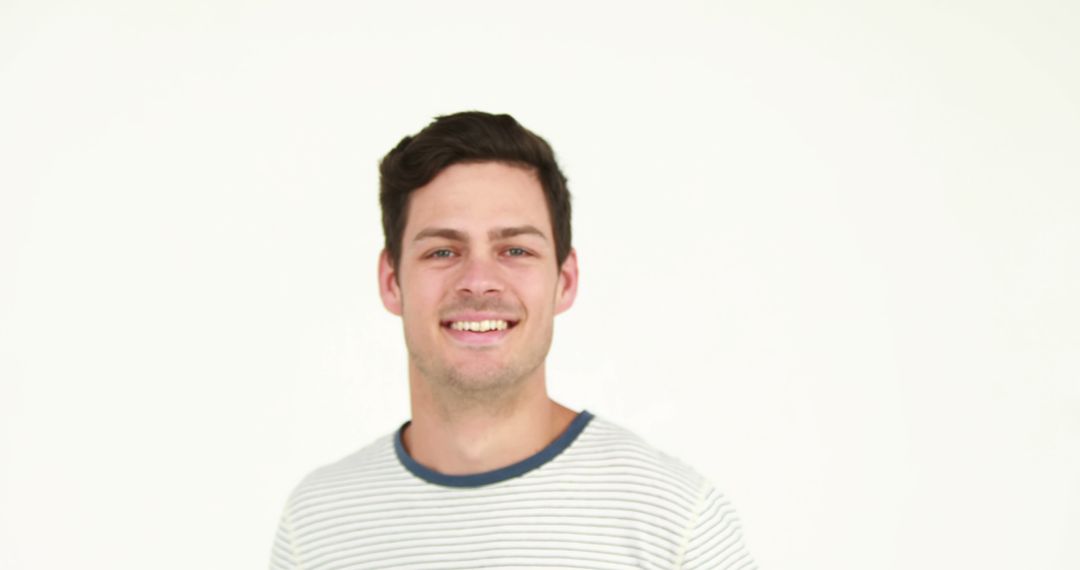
x,y
438,252
523,252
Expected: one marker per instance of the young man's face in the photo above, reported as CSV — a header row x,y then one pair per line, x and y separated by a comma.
x,y
478,253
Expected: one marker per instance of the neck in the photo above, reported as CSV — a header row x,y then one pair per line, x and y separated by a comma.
x,y
461,437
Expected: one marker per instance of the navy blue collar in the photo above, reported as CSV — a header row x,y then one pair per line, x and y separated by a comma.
x,y
503,473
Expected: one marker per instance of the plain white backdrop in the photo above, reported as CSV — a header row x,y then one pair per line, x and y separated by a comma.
x,y
829,257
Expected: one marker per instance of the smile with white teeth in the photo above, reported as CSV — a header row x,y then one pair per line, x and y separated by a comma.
x,y
479,326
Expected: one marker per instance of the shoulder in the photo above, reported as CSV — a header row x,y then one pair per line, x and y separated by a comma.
x,y
619,452
711,535
604,436
322,498
369,467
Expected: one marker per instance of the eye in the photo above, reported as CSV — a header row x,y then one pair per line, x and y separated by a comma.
x,y
443,253
512,250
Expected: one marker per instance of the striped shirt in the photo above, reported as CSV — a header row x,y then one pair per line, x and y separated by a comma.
x,y
597,497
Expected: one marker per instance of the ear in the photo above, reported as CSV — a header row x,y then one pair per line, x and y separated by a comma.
x,y
389,288
566,289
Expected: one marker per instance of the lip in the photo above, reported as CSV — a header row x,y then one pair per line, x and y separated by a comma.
x,y
471,338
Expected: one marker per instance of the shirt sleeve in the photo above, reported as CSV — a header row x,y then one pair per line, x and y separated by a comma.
x,y
283,555
715,540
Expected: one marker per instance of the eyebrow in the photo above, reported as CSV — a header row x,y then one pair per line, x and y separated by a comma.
x,y
495,234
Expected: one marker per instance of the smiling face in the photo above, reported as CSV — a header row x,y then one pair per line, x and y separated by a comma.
x,y
477,286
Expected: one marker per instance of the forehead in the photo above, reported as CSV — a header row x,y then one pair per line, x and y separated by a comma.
x,y
478,196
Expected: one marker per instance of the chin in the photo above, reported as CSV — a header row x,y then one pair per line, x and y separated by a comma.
x,y
482,378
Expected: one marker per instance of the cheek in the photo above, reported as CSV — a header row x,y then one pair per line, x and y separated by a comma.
x,y
422,301
538,295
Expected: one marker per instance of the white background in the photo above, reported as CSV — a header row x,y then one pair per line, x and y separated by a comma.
x,y
829,257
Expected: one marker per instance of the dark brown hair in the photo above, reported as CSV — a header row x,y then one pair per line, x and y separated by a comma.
x,y
470,136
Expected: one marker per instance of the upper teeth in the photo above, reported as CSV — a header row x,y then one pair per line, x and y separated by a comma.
x,y
479,326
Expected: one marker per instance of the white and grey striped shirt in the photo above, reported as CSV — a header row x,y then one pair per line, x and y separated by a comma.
x,y
598,497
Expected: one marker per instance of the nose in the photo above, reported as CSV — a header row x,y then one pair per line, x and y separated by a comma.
x,y
480,276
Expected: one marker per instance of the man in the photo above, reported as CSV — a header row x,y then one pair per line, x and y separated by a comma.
x,y
490,472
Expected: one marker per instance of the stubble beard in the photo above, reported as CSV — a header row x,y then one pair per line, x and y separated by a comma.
x,y
491,386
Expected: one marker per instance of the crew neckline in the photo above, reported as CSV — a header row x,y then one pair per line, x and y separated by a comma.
x,y
501,474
